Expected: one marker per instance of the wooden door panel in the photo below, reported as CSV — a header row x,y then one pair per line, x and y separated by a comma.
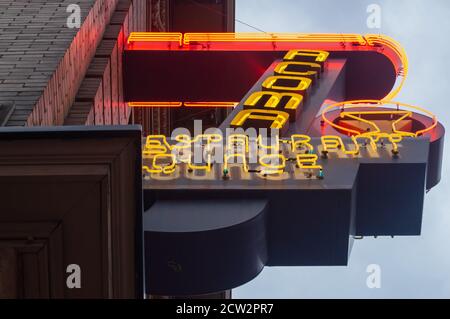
x,y
25,263
70,197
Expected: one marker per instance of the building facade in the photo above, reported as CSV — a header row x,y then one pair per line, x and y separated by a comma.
x,y
51,74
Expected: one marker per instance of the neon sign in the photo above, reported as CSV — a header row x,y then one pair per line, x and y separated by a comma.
x,y
279,102
352,129
282,94
288,157
327,169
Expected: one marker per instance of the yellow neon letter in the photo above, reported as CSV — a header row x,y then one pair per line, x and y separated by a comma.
x,y
158,168
366,138
274,100
278,118
227,157
206,167
394,139
274,163
309,70
308,161
298,140
156,144
336,143
298,83
316,56
236,140
274,147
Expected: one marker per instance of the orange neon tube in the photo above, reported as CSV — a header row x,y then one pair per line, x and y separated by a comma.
x,y
211,104
185,104
139,37
155,104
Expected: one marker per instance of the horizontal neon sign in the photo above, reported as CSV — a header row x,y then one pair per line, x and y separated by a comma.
x,y
186,157
275,42
277,102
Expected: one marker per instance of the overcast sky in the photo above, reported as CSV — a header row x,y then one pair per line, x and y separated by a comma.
x,y
411,267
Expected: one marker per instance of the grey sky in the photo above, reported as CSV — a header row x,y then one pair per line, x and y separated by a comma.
x,y
412,267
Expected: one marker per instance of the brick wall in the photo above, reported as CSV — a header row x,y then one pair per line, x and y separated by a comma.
x,y
44,77
42,61
106,68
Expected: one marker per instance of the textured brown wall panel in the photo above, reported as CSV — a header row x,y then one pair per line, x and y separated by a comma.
x,y
129,16
83,207
42,61
120,19
101,68
91,90
81,114
115,32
